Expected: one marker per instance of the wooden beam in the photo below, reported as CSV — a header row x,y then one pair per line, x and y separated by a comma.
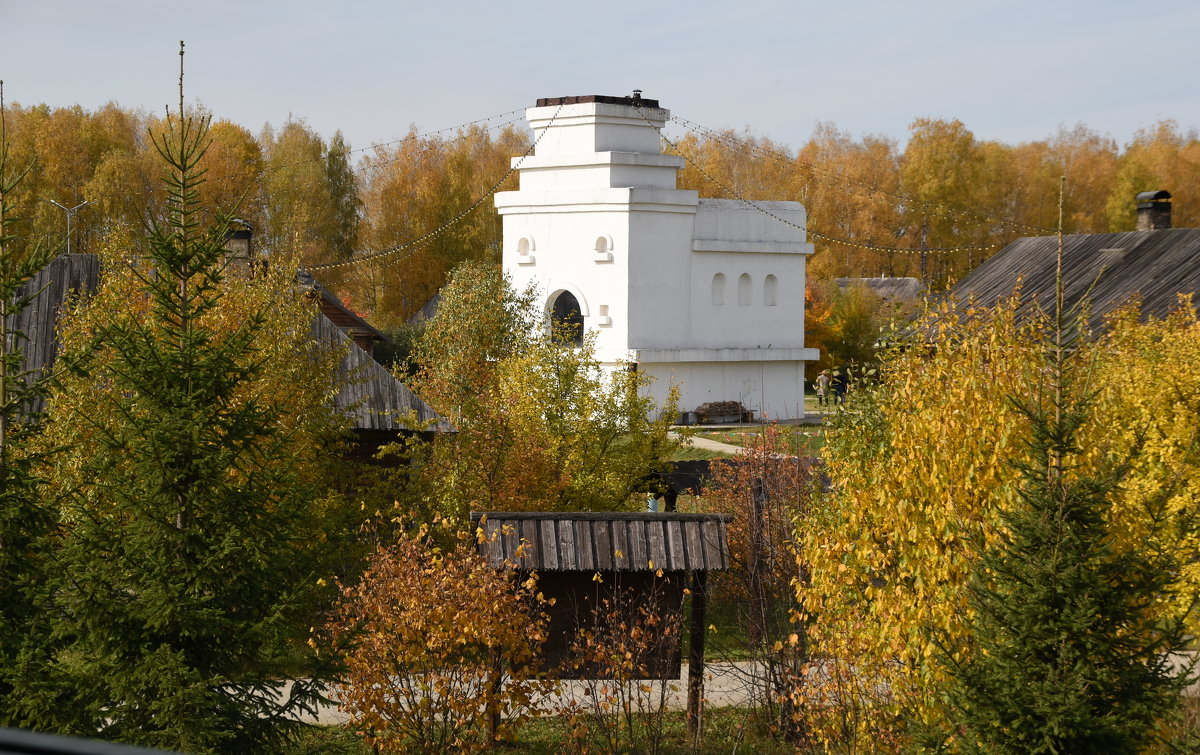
x,y
695,704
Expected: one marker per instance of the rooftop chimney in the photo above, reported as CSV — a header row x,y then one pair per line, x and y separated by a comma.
x,y
1154,210
237,245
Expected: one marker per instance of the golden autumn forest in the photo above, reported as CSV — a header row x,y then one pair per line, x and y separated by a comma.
x,y
933,208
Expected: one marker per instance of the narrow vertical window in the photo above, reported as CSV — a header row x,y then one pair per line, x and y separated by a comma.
x,y
718,289
770,291
744,290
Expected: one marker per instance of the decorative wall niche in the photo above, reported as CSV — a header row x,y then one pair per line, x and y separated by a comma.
x,y
718,290
603,249
525,249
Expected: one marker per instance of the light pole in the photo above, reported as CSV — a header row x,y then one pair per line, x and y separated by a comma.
x,y
70,211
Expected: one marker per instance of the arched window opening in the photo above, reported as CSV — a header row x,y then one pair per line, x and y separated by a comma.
x,y
523,247
718,289
770,291
744,290
566,320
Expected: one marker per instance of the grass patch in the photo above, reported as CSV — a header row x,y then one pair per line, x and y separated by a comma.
x,y
802,441
691,453
725,730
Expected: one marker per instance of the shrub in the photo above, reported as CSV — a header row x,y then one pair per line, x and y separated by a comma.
x,y
434,642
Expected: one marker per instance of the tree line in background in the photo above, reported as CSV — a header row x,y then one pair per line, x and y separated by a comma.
x,y
893,211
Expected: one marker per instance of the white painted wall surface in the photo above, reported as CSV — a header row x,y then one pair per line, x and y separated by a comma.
x,y
600,216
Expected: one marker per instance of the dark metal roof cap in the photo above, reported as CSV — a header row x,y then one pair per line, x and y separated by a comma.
x,y
1151,196
601,98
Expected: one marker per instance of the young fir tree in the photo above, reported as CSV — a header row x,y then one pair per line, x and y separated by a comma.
x,y
1070,651
186,559
24,520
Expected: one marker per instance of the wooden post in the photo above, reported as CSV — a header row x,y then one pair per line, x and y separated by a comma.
x,y
758,501
494,685
695,705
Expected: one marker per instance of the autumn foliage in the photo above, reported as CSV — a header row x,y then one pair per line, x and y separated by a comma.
x,y
435,642
921,474
323,199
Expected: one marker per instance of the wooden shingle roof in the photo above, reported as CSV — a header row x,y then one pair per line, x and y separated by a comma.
x,y
368,392
64,276
1154,266
608,541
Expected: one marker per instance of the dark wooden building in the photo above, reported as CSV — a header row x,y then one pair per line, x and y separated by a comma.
x,y
381,407
1150,266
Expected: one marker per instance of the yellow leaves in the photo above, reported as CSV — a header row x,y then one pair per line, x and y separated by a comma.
x,y
916,492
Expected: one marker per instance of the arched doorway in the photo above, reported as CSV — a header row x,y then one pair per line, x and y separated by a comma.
x,y
566,320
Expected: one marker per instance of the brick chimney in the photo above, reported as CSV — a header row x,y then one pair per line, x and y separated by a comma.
x,y
1154,210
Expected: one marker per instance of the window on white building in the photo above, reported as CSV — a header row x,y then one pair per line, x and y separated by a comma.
x,y
566,319
770,291
744,290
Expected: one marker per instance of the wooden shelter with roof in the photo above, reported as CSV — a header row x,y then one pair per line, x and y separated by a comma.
x,y
633,559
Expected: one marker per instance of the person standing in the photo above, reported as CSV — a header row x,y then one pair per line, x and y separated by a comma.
x,y
823,388
840,381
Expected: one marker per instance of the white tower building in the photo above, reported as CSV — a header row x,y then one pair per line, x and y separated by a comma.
x,y
707,294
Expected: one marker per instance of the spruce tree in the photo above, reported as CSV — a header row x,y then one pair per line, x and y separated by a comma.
x,y
1070,653
24,520
185,571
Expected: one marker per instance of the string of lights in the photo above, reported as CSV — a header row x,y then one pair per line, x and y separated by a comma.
x,y
375,162
419,241
520,116
832,239
842,182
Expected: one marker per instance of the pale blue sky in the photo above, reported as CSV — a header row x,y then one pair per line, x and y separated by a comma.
x,y
1011,70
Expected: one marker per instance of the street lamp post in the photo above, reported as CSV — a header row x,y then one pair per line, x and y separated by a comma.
x,y
70,212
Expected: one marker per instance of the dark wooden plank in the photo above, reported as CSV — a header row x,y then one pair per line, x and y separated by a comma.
x,y
549,543
710,533
695,550
529,537
620,544
603,542
494,544
512,539
675,552
585,548
656,538
568,559
637,545
724,535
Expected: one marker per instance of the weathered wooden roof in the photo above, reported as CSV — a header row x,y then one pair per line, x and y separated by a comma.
x,y
332,307
609,541
66,275
370,394
1155,266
